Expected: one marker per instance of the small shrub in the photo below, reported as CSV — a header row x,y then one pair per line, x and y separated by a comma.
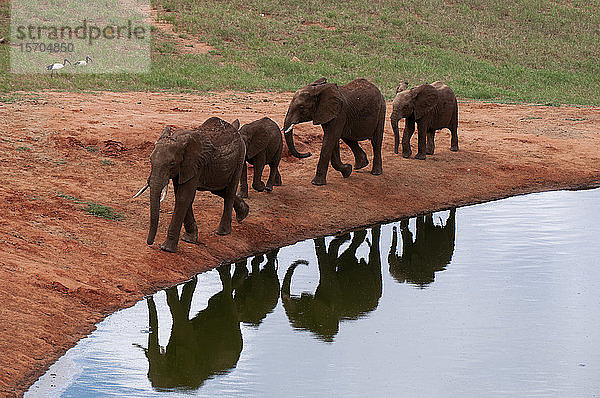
x,y
107,212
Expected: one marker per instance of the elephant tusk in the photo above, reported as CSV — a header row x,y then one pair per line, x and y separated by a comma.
x,y
141,191
289,128
164,192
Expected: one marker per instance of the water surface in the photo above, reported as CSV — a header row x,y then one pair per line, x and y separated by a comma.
x,y
497,299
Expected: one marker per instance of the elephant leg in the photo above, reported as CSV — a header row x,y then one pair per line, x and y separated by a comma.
x,y
422,129
184,197
259,165
430,141
360,157
191,228
224,227
377,142
409,129
239,205
336,162
453,131
274,176
331,138
244,181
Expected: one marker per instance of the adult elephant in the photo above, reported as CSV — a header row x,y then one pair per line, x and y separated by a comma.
x,y
209,344
348,288
352,112
208,158
432,107
430,252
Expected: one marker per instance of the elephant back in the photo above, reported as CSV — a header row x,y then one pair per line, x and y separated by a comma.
x,y
218,132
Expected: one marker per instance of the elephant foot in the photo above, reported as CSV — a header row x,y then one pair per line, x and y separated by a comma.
x,y
346,170
454,148
420,156
223,230
318,180
429,152
377,171
258,186
406,154
241,211
360,163
396,151
190,237
268,188
169,246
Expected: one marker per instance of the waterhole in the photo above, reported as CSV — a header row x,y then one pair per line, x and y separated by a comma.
x,y
496,299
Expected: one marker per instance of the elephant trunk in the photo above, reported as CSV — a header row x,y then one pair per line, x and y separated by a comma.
x,y
287,279
394,119
156,188
288,132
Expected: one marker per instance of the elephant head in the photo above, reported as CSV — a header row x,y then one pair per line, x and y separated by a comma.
x,y
179,156
417,101
319,101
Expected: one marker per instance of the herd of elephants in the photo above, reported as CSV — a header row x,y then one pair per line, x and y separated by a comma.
x,y
213,156
210,342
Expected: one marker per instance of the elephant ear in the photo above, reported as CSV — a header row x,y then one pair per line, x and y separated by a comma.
x,y
425,97
196,155
256,140
401,87
318,82
329,103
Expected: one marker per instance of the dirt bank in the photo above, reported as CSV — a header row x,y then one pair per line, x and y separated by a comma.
x,y
64,270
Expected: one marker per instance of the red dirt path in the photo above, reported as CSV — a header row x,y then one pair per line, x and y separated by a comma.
x,y
63,270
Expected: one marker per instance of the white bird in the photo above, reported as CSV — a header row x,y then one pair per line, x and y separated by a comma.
x,y
83,63
57,66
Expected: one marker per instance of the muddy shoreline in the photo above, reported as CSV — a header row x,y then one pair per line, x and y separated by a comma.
x,y
65,270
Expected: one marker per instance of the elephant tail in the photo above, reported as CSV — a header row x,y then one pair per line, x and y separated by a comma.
x,y
287,280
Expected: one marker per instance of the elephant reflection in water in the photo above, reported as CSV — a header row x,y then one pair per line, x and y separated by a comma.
x,y
431,251
348,288
257,292
199,348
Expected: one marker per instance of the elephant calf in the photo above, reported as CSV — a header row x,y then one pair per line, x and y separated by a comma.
x,y
263,147
432,107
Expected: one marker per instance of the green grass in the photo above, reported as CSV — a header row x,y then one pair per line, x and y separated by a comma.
x,y
538,51
94,209
102,211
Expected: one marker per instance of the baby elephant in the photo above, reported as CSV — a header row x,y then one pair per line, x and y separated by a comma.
x,y
432,107
263,146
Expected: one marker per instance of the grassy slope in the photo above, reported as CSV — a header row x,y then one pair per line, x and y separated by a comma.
x,y
504,50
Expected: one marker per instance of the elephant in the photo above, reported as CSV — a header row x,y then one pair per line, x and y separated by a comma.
x,y
207,158
430,252
432,107
348,288
263,146
208,344
257,292
352,112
